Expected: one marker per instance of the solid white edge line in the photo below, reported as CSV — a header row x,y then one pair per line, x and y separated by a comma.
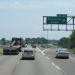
x,y
41,51
56,66
44,54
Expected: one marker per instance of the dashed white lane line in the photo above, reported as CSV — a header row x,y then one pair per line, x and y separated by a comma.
x,y
72,58
57,67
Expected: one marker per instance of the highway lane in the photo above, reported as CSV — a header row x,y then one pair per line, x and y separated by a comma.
x,y
8,63
40,66
26,67
3,58
67,65
12,65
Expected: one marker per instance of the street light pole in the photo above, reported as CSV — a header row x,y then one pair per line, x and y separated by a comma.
x,y
47,36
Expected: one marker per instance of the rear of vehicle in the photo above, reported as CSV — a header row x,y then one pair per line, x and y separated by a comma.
x,y
10,51
14,48
62,53
28,54
33,46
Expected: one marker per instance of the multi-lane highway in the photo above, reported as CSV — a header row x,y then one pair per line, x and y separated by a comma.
x,y
42,65
66,65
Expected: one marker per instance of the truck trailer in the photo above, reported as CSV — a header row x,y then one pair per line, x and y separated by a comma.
x,y
14,48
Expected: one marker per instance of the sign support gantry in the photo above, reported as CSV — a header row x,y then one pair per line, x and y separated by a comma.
x,y
60,22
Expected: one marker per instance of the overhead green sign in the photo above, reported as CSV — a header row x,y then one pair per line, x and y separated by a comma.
x,y
56,20
62,15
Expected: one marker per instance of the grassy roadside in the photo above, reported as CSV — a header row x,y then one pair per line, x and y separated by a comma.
x,y
1,50
72,50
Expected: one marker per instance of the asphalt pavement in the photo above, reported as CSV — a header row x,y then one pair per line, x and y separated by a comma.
x,y
42,65
66,65
7,64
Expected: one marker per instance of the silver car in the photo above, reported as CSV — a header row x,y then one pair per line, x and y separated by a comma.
x,y
28,54
62,53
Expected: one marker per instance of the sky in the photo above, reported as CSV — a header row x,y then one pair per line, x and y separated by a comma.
x,y
24,18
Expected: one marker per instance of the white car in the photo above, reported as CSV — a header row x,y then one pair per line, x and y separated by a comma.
x,y
62,53
28,54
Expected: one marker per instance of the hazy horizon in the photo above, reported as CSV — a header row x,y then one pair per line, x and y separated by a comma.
x,y
21,18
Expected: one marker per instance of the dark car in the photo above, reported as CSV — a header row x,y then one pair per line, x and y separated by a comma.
x,y
33,46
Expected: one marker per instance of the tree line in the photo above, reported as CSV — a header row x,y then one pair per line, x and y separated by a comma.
x,y
3,41
36,41
68,42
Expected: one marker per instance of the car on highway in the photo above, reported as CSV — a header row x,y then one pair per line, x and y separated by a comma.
x,y
62,53
33,46
28,54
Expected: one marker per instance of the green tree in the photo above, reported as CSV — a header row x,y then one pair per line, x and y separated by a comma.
x,y
64,42
3,41
36,40
72,40
28,40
